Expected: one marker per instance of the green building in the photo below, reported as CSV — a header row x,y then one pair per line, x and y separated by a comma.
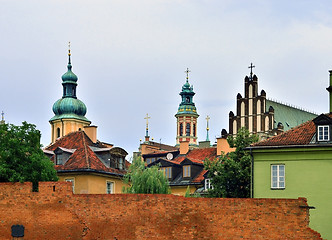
x,y
298,163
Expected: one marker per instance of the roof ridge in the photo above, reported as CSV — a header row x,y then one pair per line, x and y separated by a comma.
x,y
86,151
292,106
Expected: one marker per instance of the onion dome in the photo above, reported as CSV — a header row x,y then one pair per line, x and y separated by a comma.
x,y
69,106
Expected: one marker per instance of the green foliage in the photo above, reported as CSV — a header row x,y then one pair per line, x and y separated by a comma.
x,y
230,175
21,156
194,195
145,180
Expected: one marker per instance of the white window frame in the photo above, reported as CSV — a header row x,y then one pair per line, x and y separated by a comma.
x,y
278,173
186,171
72,180
323,133
207,184
112,184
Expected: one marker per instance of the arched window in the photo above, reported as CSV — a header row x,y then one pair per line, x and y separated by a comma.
x,y
64,91
194,130
181,129
188,129
57,132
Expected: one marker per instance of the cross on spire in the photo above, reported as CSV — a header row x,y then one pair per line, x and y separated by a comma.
x,y
187,72
251,67
147,124
207,127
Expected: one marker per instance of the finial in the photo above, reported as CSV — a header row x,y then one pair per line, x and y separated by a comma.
x,y
187,72
2,116
147,124
69,49
251,67
207,127
69,54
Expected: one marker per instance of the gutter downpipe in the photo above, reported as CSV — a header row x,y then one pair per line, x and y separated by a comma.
x,y
252,175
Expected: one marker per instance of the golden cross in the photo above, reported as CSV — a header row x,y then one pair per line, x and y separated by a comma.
x,y
187,72
207,122
147,120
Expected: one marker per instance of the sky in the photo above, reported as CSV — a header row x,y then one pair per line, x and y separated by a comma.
x,y
130,57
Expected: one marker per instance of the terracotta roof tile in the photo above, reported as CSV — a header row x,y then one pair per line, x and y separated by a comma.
x,y
200,177
83,157
300,135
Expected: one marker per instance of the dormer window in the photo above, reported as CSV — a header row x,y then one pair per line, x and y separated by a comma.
x,y
59,159
186,171
167,172
323,133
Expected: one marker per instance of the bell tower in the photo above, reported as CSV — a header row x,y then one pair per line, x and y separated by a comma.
x,y
187,116
69,111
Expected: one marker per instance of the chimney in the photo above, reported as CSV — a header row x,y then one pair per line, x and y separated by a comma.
x,y
91,131
222,144
184,147
329,89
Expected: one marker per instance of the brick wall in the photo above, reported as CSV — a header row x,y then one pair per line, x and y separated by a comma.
x,y
55,213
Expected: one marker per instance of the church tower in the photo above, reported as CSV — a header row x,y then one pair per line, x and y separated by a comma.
x,y
187,116
69,111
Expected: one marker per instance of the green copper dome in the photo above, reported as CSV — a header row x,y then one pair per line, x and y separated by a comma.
x,y
69,106
187,106
69,76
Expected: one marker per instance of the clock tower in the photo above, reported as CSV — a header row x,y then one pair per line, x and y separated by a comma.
x,y
187,116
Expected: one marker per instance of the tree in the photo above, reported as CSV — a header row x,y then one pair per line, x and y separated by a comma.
x,y
145,180
21,156
230,174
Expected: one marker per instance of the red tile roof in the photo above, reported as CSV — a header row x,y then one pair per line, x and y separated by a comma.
x,y
83,157
300,135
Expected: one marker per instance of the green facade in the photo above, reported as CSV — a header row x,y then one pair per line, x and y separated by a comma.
x,y
307,174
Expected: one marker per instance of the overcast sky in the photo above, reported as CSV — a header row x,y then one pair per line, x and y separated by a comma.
x,y
130,58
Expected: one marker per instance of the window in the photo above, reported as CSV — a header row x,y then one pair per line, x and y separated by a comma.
x,y
278,176
186,171
323,133
57,132
109,187
181,129
188,129
207,184
59,159
194,130
72,180
167,172
120,163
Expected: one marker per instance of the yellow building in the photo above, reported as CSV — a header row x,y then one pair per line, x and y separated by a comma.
x,y
90,165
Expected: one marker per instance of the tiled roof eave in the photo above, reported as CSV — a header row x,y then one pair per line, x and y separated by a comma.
x,y
185,184
291,146
91,171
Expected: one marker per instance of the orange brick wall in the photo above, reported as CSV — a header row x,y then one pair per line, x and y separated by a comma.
x,y
55,213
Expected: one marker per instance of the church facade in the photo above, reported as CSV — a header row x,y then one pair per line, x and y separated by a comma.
x,y
262,116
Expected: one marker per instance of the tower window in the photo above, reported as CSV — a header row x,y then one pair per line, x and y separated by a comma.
x,y
188,129
187,99
194,130
181,129
64,91
57,132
